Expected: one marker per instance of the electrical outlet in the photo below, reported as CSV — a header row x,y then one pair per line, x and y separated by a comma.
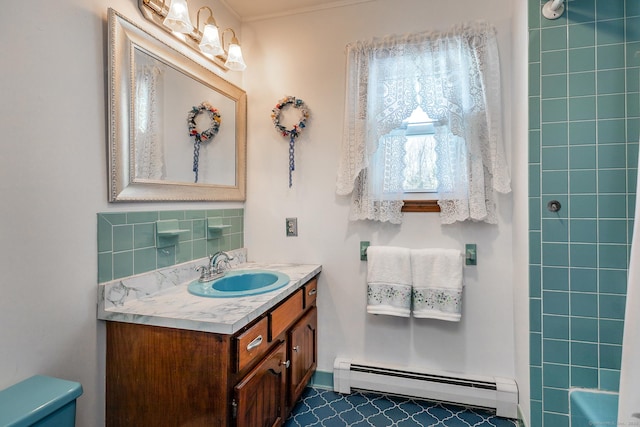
x,y
292,227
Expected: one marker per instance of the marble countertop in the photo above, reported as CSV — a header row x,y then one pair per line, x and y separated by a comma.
x,y
161,298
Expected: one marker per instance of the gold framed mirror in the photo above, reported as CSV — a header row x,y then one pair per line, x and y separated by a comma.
x,y
152,155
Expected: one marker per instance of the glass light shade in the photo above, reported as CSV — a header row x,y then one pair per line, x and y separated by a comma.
x,y
234,60
178,17
210,43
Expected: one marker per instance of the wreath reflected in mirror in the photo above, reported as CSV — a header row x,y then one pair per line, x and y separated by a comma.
x,y
206,135
294,132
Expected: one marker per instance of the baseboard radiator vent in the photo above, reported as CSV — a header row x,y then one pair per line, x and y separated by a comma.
x,y
499,394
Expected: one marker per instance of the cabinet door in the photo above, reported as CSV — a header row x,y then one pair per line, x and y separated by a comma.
x,y
260,396
303,344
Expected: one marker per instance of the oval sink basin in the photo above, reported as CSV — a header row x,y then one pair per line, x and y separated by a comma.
x,y
240,283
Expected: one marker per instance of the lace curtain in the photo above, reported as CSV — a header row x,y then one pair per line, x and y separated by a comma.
x,y
454,77
149,149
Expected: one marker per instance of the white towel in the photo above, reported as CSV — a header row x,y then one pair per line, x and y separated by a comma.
x,y
389,281
437,283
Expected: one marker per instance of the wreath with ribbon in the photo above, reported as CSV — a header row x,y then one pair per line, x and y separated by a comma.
x,y
294,132
206,135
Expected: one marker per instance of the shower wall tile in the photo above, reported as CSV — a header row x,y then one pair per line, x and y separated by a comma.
x,y
609,380
584,377
610,9
554,62
584,125
552,86
127,240
582,35
582,59
582,84
610,56
584,329
583,280
553,38
613,281
554,419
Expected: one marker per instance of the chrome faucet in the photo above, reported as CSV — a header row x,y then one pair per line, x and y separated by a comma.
x,y
215,261
215,269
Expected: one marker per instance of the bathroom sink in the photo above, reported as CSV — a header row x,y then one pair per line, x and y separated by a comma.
x,y
240,283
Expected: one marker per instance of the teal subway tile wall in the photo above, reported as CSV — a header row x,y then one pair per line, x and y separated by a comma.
x,y
127,242
583,151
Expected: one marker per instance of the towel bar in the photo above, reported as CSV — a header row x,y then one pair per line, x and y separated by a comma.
x,y
470,252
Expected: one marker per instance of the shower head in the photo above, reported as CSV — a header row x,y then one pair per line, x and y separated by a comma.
x,y
553,9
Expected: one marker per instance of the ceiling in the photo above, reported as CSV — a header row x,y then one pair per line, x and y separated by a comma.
x,y
252,10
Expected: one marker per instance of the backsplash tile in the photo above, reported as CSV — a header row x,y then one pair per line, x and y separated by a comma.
x,y
127,240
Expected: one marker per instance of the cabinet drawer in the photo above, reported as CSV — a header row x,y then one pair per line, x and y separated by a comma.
x,y
286,314
310,292
251,344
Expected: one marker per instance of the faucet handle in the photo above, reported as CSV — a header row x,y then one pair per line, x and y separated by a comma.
x,y
203,270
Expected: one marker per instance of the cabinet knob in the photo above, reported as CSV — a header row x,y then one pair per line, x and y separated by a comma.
x,y
286,364
296,348
313,291
255,343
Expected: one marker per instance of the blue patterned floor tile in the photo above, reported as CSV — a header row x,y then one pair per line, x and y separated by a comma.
x,y
326,408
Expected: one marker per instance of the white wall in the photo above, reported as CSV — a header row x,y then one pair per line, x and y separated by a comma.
x,y
520,137
303,56
53,111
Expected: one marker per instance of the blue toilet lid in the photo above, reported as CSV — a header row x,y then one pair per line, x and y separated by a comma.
x,y
30,400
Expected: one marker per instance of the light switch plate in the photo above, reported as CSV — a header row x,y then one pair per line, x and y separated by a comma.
x,y
364,245
471,254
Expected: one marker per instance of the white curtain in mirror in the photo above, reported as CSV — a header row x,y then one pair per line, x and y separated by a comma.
x,y
149,146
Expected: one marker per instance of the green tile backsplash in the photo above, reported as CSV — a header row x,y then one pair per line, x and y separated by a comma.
x,y
127,240
584,125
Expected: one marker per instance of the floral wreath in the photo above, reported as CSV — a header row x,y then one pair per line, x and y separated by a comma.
x,y
203,136
294,132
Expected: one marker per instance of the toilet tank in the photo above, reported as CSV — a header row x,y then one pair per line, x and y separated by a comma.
x,y
40,401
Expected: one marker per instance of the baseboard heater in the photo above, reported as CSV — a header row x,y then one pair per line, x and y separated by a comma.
x,y
499,394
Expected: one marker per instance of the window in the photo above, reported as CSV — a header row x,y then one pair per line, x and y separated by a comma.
x,y
420,168
423,114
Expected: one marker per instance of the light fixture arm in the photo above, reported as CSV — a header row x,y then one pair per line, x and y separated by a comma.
x,y
234,39
210,19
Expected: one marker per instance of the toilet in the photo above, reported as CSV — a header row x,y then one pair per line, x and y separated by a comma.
x,y
40,401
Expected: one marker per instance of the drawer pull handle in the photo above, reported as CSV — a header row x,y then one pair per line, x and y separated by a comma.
x,y
296,348
286,364
255,343
313,291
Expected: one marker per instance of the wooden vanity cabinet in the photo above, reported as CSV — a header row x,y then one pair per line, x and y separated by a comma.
x,y
303,354
168,377
260,398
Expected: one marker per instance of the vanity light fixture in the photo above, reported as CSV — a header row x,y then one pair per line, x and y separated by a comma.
x,y
209,41
178,17
234,61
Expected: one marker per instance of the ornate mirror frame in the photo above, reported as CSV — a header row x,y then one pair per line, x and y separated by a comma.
x,y
124,38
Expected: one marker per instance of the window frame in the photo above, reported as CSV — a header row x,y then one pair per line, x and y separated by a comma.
x,y
430,205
